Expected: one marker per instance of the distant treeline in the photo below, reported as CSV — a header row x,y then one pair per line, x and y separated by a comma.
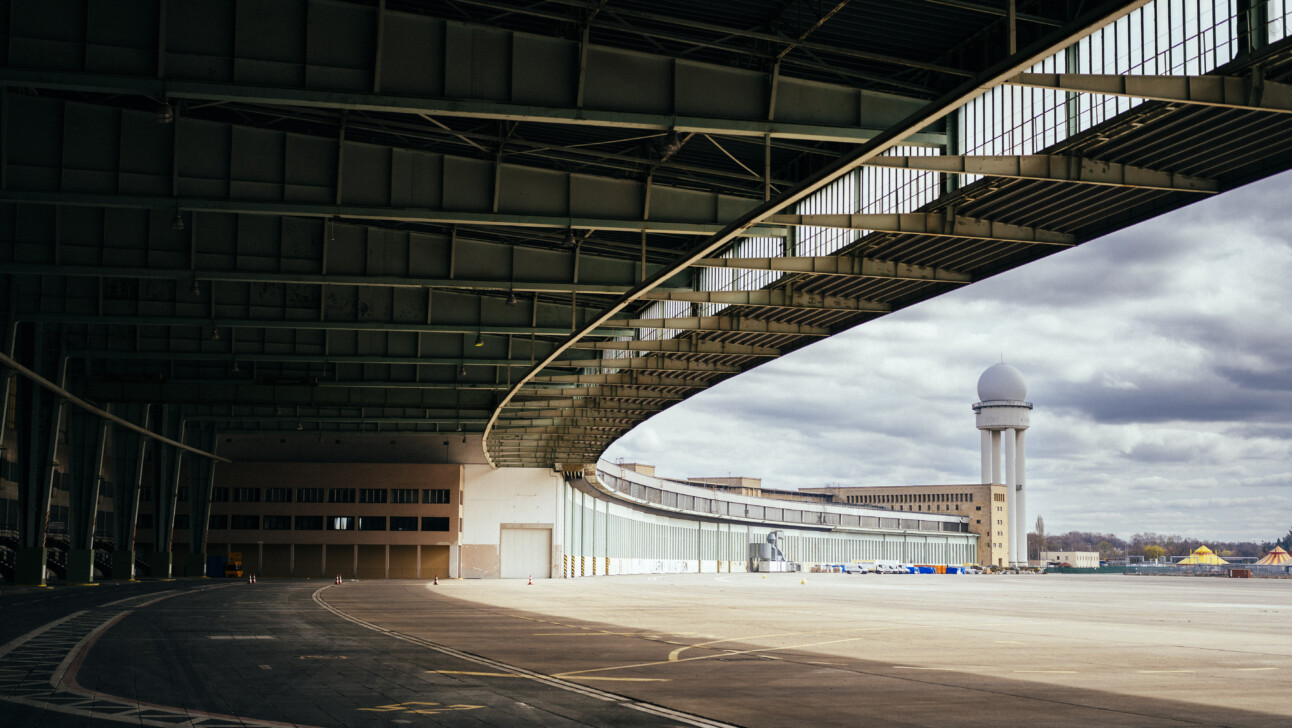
x,y
1110,546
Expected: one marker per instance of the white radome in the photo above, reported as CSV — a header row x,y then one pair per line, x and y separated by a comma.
x,y
1002,382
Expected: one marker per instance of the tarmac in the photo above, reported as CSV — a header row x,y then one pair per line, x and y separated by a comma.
x,y
703,650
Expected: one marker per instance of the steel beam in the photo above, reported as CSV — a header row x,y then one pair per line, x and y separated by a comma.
x,y
680,346
648,363
935,224
605,392
737,324
1055,168
1230,92
636,378
840,265
662,226
770,298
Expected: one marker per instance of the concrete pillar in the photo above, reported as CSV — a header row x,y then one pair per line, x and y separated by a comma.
x,y
123,564
995,458
1018,515
196,566
1010,502
160,564
29,566
455,556
80,566
986,455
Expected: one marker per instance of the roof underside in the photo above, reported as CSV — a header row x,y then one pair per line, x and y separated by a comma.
x,y
356,217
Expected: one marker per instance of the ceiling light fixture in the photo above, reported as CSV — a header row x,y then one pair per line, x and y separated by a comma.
x,y
479,340
165,114
462,371
215,334
177,222
512,300
196,290
569,241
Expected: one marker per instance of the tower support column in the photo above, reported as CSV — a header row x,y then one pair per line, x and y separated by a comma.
x,y
1010,500
995,458
986,456
1018,514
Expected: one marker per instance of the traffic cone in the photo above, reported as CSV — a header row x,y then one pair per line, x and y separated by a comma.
x,y
338,578
531,580
436,582
251,579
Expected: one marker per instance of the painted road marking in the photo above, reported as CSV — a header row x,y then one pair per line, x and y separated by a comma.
x,y
477,674
673,656
1254,669
427,709
1150,672
623,679
725,653
241,637
1049,672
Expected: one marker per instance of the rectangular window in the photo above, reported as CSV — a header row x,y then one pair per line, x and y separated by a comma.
x,y
245,523
436,495
309,495
372,523
403,523
403,495
435,523
219,495
309,523
218,522
372,495
182,494
278,523
340,523
246,495
340,495
278,495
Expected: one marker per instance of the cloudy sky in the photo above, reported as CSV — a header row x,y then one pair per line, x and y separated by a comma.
x,y
1159,360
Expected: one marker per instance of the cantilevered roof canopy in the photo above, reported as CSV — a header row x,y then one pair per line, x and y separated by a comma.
x,y
545,221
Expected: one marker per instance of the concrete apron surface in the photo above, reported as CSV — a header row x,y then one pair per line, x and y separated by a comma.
x,y
704,650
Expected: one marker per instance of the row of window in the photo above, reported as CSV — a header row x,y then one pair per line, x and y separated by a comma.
x,y
329,523
886,498
331,495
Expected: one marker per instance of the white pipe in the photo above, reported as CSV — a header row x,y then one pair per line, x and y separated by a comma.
x,y
1011,503
986,456
1020,515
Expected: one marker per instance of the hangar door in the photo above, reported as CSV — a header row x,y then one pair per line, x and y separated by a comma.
x,y
526,552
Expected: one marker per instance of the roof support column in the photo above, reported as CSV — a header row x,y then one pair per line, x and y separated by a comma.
x,y
201,479
165,489
40,414
87,435
128,449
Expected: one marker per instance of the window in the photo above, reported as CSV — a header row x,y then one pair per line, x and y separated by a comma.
x,y
246,495
1000,508
181,521
145,495
340,523
372,495
999,522
372,523
278,523
145,520
278,495
219,495
340,495
434,523
309,495
403,523
309,523
977,508
435,495
246,523
219,522
182,494
979,521
998,496
403,495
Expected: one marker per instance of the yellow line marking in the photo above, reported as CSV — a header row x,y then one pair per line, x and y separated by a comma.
x,y
1050,672
672,656
480,674
625,679
726,653
1148,672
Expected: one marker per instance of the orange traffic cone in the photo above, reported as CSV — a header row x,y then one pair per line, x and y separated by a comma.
x,y
437,580
251,579
338,578
531,580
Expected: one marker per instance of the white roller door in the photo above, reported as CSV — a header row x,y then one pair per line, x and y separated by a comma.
x,y
526,552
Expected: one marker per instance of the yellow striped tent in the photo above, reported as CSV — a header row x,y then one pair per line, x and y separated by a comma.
x,y
1277,557
1202,556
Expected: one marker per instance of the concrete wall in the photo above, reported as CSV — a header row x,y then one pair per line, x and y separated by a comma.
x,y
507,497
